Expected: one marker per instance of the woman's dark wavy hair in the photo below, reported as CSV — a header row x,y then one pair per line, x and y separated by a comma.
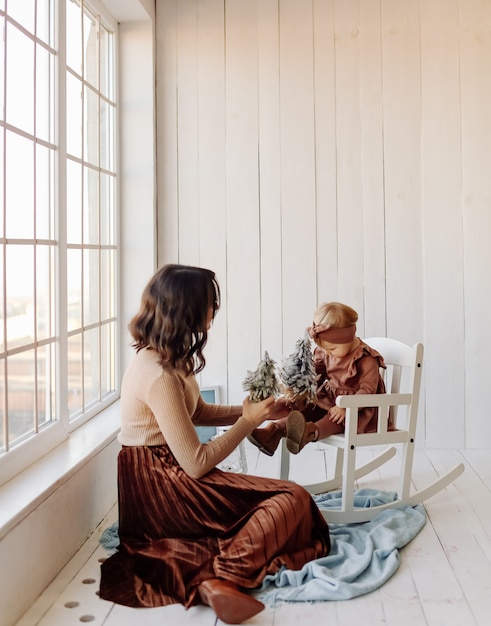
x,y
173,315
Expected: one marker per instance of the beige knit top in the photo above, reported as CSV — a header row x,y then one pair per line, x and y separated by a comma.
x,y
163,405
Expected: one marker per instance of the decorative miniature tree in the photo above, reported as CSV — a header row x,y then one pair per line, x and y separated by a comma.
x,y
262,382
298,377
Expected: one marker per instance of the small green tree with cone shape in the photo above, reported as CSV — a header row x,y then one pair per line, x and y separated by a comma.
x,y
298,376
262,382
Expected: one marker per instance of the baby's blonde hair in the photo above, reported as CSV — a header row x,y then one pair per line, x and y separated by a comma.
x,y
335,314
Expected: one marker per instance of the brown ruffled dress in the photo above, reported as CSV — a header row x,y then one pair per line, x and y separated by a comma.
x,y
356,373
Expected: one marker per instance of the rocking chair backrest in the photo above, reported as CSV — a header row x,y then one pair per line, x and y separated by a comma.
x,y
403,373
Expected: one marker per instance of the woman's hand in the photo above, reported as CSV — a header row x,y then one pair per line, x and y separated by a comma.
x,y
257,412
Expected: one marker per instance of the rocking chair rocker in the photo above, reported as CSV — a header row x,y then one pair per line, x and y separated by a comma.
x,y
404,364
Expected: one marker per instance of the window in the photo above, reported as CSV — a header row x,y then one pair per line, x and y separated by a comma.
x,y
58,233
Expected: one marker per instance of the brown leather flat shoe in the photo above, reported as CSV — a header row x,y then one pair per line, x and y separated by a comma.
x,y
230,604
299,432
267,438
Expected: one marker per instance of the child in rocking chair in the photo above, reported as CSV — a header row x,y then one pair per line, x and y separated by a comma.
x,y
345,366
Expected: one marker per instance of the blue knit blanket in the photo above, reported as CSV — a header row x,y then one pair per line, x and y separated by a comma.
x,y
363,556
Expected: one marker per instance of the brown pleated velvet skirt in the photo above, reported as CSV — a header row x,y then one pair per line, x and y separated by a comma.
x,y
176,532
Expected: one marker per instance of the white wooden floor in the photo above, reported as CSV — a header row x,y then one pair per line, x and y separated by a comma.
x,y
444,578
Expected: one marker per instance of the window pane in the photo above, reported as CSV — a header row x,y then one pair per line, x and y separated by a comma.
x,y
73,116
107,283
2,303
2,64
2,174
106,63
75,375
19,187
45,21
74,287
20,295
45,170
91,367
91,206
44,94
23,12
108,375
20,93
107,134
91,121
74,202
91,286
46,384
44,292
21,408
90,41
107,209
3,438
74,39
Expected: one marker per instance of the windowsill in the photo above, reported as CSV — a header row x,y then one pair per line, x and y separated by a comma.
x,y
23,493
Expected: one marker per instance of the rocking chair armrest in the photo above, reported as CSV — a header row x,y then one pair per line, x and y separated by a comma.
x,y
374,399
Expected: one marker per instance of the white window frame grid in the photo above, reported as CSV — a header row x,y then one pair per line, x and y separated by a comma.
x,y
45,436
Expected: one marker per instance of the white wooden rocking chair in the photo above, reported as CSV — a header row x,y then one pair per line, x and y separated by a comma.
x,y
400,403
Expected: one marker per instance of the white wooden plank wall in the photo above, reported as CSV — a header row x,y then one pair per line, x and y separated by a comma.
x,y
212,250
325,150
442,223
270,210
350,219
297,150
315,150
372,168
475,64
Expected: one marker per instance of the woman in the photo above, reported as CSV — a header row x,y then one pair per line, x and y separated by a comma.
x,y
190,533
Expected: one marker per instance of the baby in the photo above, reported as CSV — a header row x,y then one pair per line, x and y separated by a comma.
x,y
345,366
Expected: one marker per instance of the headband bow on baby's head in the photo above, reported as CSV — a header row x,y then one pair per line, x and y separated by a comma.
x,y
326,332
